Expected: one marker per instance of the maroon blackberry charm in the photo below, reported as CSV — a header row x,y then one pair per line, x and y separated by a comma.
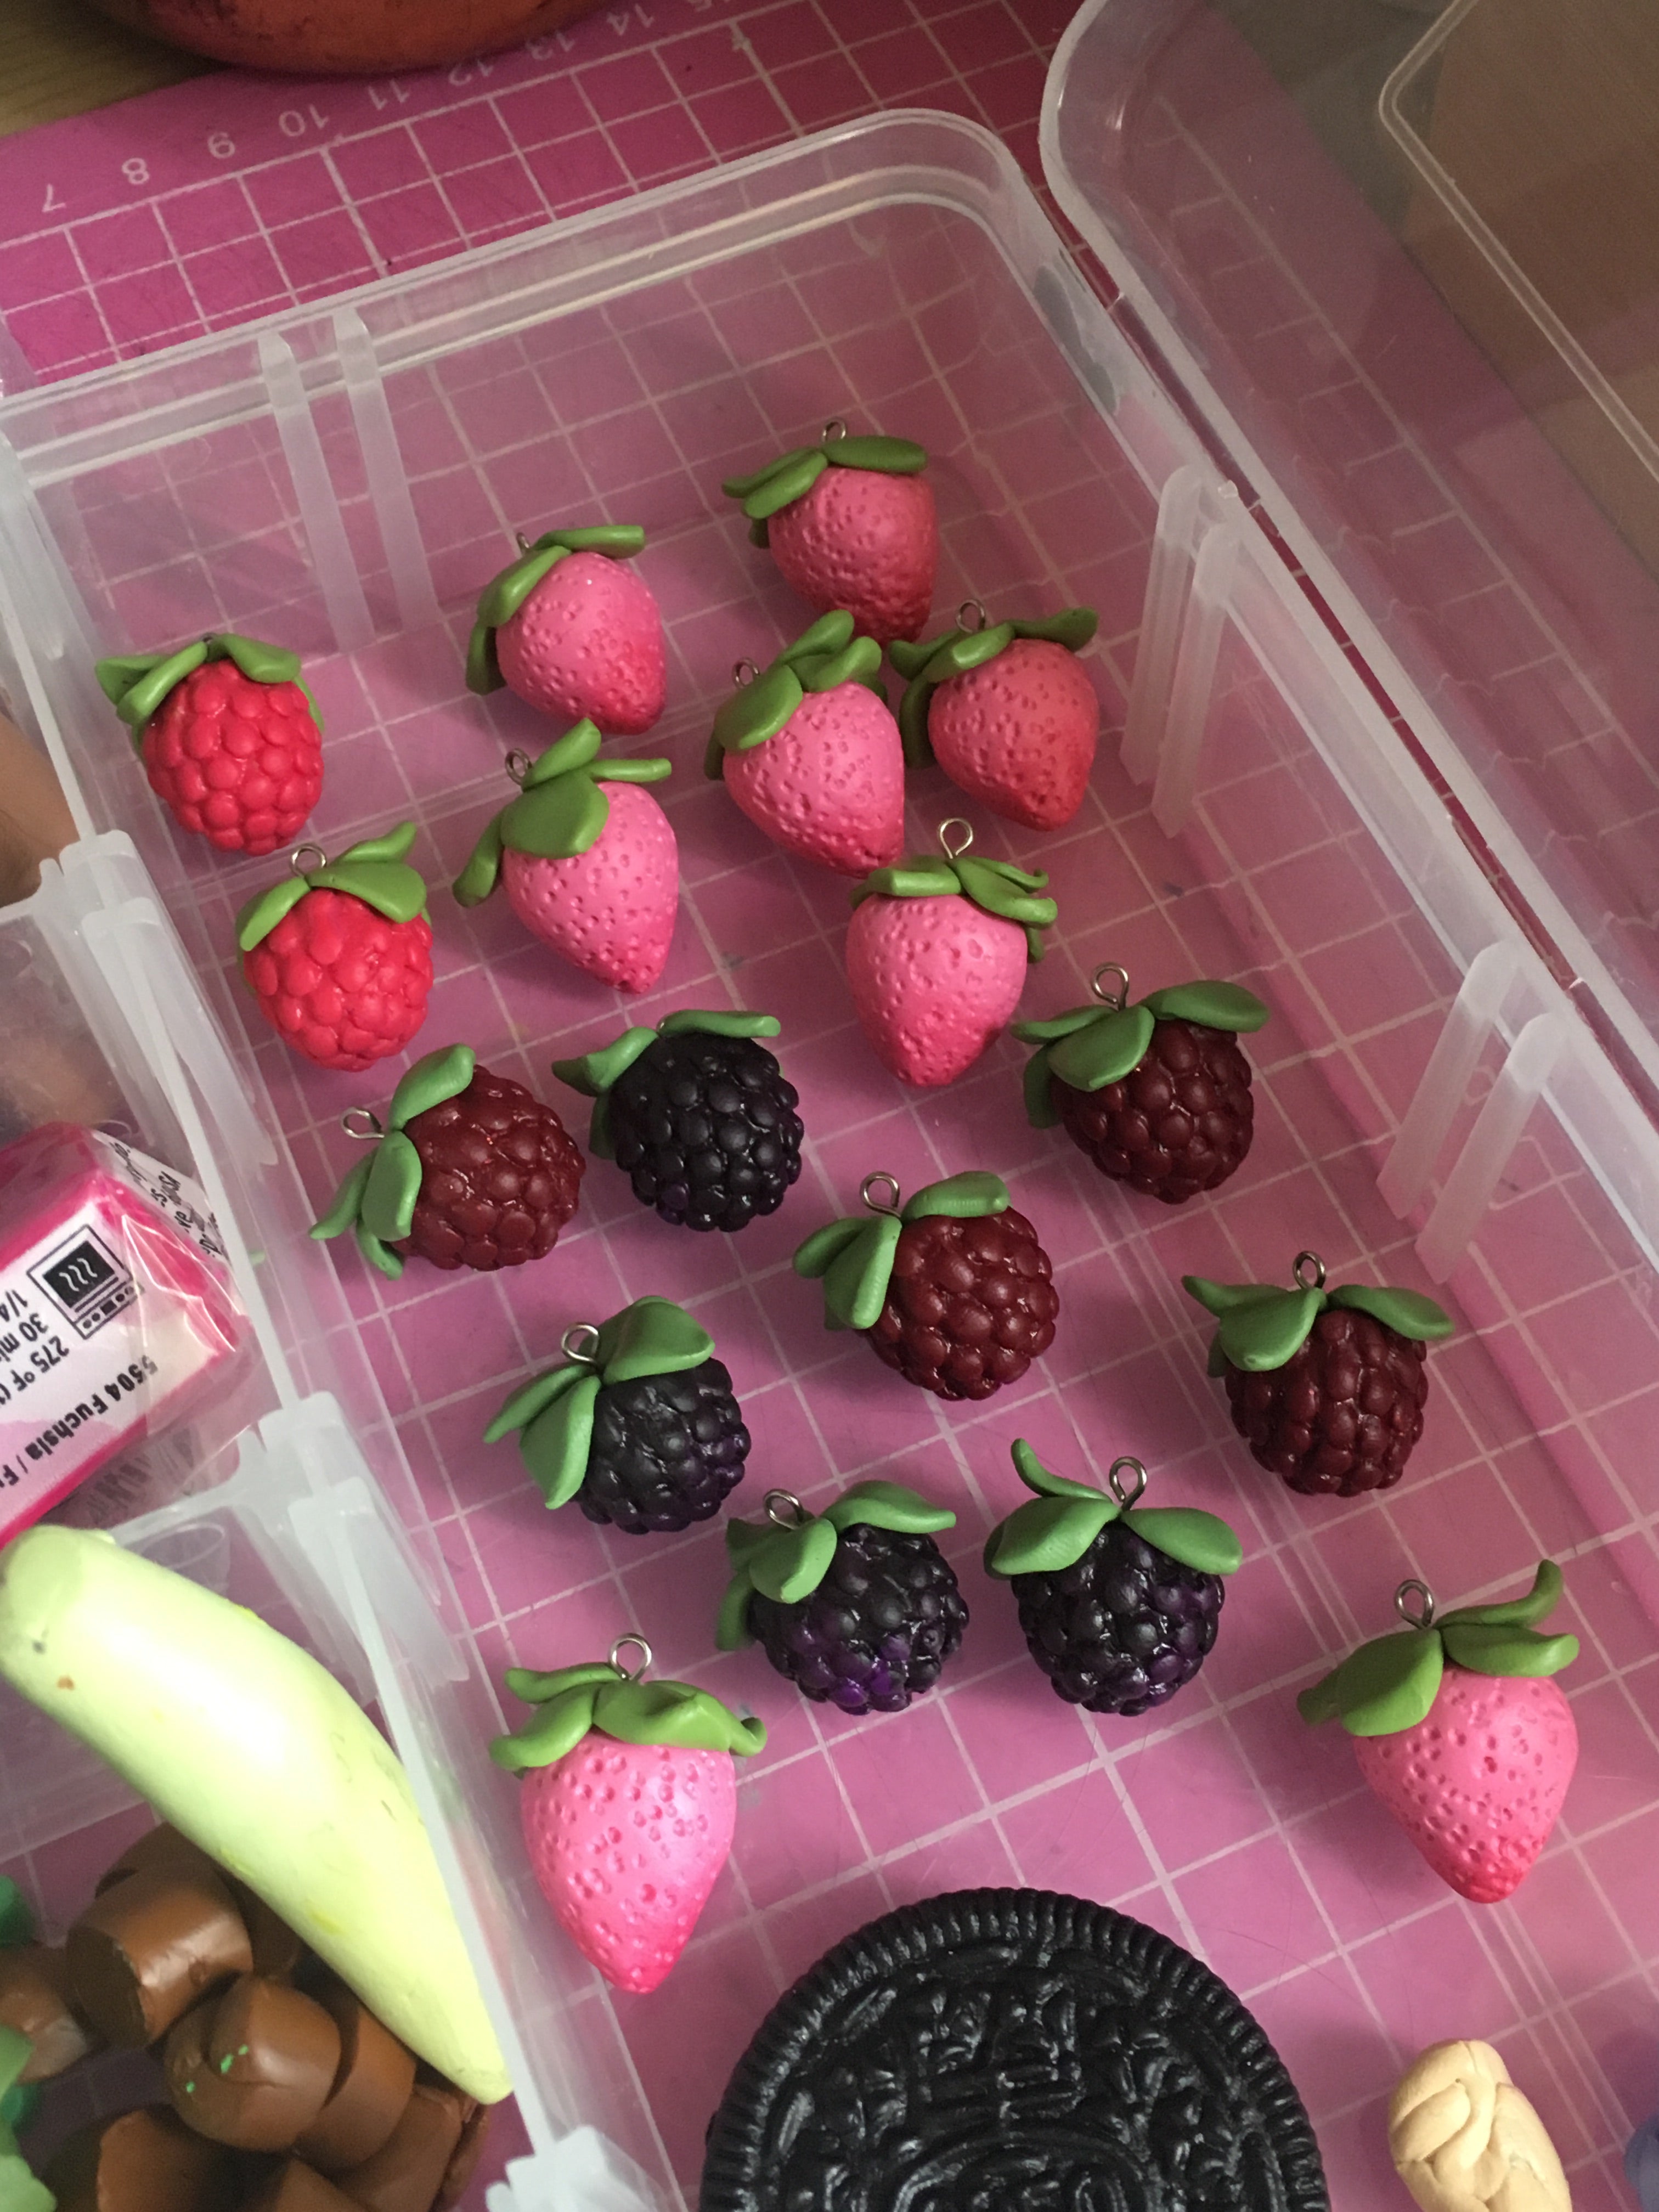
x,y
857,1606
1157,1094
1326,1386
1119,1602
470,1171
952,1289
640,1426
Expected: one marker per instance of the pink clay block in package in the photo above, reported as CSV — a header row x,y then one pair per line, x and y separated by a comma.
x,y
115,1312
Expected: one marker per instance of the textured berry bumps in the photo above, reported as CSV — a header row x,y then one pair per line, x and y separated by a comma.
x,y
1158,1095
1460,1731
573,632
856,1606
953,1291
471,1171
588,858
851,523
629,1807
229,735
639,1425
1006,711
811,754
1326,1386
937,952
1119,1602
339,957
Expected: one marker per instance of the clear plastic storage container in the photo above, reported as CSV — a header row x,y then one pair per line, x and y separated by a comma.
x,y
1431,1108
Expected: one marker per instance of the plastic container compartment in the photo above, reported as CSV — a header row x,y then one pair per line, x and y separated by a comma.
x,y
345,482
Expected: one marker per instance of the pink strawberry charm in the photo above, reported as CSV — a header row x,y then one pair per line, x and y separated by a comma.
x,y
629,1805
936,956
811,754
229,735
339,957
1461,1733
851,523
588,858
574,632
1006,711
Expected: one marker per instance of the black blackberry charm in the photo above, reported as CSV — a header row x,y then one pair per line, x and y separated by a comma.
x,y
639,1425
857,1605
697,1114
1119,1601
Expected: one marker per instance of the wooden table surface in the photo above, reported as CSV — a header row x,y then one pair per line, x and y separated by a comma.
x,y
60,58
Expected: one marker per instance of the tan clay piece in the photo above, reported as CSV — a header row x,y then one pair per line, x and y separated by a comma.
x,y
1464,2139
35,823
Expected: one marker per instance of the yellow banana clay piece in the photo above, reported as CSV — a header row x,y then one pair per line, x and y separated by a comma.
x,y
1464,2138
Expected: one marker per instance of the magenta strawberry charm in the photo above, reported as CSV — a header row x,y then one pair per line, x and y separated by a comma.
x,y
810,753
629,1805
470,1171
937,952
1006,711
339,957
851,523
588,858
1157,1094
1119,1602
952,1290
572,631
1462,1732
1326,1386
856,1606
697,1114
639,1425
229,735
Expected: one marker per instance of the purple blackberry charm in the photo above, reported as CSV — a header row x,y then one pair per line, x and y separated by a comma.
x,y
857,1605
1120,1602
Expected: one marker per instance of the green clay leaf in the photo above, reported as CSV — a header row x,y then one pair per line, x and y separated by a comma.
x,y
918,878
536,1688
1057,1025
555,1444
533,1397
760,533
147,690
618,541
857,663
1105,1052
1494,1648
855,1281
792,1562
1407,1312
889,456
16,1921
258,662
15,2050
731,1623
595,1071
912,721
1382,1687
1517,1612
759,711
117,672
910,656
1073,627
740,487
633,771
1223,1298
1213,1006
653,1336
551,1733
1047,1484
1047,1535
1040,1109
391,845
676,1715
436,1077
888,1505
578,747
504,595
812,1257
557,820
266,908
995,889
1200,1541
483,667
379,1255
784,486
713,760
1035,948
968,650
391,887
725,1022
483,871
599,1141
18,2106
1264,1335
830,634
963,1197
346,1203
392,1189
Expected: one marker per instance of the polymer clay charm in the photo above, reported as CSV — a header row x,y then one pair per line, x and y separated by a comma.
x,y
1119,1602
588,858
952,1289
640,1426
339,957
572,631
229,735
1157,1094
629,1805
937,952
253,2066
1326,1386
810,753
856,1606
697,1114
850,523
469,1171
1005,710
1464,2139
1460,1732
35,2000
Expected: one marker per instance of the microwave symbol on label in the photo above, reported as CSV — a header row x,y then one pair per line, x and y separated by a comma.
x,y
85,1281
